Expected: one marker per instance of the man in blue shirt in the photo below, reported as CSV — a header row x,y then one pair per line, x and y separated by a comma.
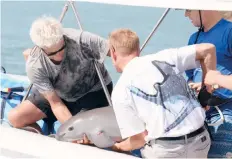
x,y
218,31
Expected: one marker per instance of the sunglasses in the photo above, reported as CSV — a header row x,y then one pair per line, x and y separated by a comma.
x,y
55,52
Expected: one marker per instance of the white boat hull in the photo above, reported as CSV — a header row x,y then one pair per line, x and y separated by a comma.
x,y
22,144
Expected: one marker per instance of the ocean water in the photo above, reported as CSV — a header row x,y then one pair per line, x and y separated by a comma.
x,y
101,19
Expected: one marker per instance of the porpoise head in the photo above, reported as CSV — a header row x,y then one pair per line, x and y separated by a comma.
x,y
71,130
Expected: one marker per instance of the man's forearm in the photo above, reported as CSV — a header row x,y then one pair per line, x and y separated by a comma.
x,y
206,65
207,58
131,143
204,71
61,112
58,107
224,81
128,145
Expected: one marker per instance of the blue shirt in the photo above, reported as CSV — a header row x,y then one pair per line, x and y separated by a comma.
x,y
221,36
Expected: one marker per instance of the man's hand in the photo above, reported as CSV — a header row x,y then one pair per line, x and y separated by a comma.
x,y
84,141
131,143
211,76
195,86
116,148
210,80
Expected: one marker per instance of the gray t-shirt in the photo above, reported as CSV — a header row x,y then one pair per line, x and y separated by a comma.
x,y
75,75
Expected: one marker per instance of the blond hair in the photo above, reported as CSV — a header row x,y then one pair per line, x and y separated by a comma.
x,y
227,15
46,31
124,41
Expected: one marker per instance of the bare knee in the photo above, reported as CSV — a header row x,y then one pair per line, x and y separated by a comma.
x,y
14,119
25,114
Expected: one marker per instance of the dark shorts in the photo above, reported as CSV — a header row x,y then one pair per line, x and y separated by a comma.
x,y
89,101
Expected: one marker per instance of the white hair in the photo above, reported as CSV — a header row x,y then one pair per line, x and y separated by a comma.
x,y
46,31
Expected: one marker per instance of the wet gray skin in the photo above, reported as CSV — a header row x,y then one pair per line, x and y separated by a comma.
x,y
98,124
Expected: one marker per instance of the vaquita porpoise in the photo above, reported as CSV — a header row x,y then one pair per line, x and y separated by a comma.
x,y
99,125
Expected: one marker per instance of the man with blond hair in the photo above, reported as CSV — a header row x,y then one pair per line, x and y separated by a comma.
x,y
61,68
153,104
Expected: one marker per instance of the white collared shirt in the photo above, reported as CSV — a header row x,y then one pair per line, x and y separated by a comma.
x,y
146,99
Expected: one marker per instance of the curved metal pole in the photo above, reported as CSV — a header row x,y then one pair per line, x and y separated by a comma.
x,y
28,90
95,63
61,19
103,83
76,15
65,9
155,28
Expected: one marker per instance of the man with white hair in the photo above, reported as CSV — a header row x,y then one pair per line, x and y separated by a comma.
x,y
61,68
